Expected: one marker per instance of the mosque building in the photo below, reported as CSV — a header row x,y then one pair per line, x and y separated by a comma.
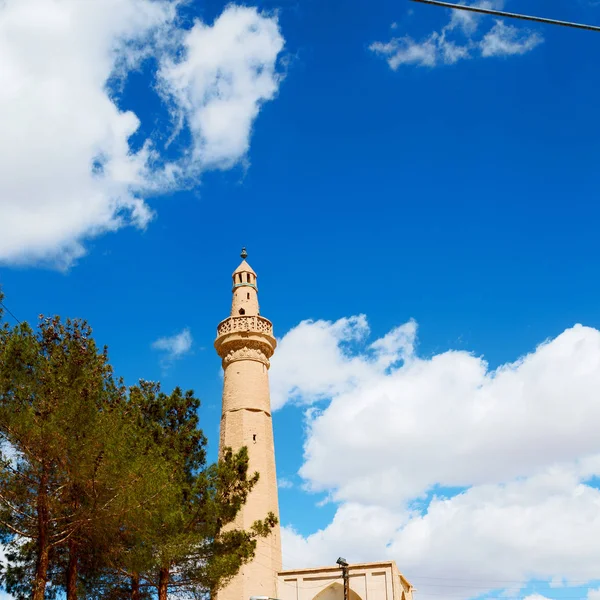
x,y
245,343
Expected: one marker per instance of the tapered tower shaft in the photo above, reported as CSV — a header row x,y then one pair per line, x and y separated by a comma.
x,y
245,344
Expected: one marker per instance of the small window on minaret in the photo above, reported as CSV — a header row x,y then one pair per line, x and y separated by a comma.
x,y
240,277
254,437
242,311
248,296
248,278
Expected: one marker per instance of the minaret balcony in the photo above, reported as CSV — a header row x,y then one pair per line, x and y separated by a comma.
x,y
246,337
249,324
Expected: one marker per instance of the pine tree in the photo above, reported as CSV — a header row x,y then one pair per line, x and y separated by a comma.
x,y
191,549
48,387
73,465
105,491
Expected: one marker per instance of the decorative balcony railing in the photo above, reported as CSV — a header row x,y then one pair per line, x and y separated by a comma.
x,y
241,324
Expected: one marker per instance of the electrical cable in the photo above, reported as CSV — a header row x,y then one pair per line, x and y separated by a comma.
x,y
9,312
502,13
571,582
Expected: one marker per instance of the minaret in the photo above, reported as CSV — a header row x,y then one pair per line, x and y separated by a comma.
x,y
245,342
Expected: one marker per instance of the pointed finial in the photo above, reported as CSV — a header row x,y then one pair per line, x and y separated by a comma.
x,y
244,254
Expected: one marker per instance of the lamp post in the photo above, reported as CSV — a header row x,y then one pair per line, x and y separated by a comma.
x,y
344,566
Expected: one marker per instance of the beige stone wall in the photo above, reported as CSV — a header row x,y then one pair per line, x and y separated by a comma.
x,y
246,386
245,342
245,301
254,430
369,581
245,292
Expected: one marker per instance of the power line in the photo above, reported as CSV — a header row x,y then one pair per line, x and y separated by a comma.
x,y
9,312
571,582
417,591
491,585
502,13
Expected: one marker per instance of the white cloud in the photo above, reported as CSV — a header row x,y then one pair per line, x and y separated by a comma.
x,y
491,537
520,442
227,72
492,425
504,40
283,483
459,39
539,527
176,345
68,170
593,594
326,367
557,582
402,51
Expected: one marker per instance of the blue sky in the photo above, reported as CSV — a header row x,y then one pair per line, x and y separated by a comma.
x,y
434,172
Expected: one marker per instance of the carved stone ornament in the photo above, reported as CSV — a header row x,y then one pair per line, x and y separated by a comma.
x,y
245,350
250,324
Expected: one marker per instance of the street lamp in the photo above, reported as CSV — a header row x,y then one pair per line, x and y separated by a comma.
x,y
344,566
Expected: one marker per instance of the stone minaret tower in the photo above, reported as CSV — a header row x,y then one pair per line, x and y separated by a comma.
x,y
245,343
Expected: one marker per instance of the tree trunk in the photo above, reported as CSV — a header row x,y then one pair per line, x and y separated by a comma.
x,y
41,574
163,582
41,566
72,571
135,587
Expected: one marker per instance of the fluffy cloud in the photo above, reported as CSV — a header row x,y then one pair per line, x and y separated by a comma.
x,y
227,71
504,39
538,527
327,366
68,168
494,537
594,594
459,39
174,346
493,425
284,484
454,470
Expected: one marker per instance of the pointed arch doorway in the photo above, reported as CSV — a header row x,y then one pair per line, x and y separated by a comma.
x,y
335,591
